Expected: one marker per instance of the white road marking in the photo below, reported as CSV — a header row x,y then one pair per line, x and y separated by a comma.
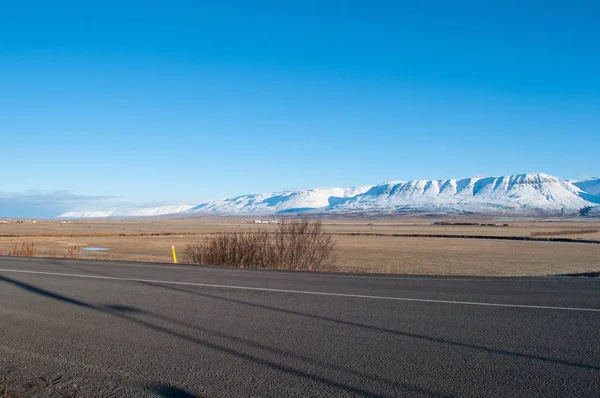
x,y
265,289
222,270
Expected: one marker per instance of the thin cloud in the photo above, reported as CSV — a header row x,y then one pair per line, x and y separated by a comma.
x,y
39,204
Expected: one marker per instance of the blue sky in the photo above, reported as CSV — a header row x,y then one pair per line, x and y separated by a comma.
x,y
184,101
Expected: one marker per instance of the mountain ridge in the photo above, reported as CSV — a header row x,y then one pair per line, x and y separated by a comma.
x,y
127,212
530,194
591,185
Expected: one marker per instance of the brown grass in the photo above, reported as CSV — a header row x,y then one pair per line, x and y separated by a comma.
x,y
209,226
565,232
464,256
370,247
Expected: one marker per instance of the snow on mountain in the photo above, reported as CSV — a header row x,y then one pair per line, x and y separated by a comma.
x,y
533,194
523,194
128,212
157,211
87,214
279,202
591,186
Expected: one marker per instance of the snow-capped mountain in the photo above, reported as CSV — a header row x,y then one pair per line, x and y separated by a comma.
x,y
591,186
523,194
280,202
128,212
519,194
593,212
533,194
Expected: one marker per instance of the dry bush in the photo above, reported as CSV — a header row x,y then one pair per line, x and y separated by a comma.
x,y
294,245
52,253
72,252
24,249
252,250
28,249
15,250
302,245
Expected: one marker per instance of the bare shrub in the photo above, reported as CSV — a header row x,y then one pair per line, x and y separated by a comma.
x,y
52,253
294,245
72,252
15,250
250,250
24,249
28,249
302,245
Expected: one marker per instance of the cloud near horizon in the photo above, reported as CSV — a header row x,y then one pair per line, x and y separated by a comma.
x,y
40,204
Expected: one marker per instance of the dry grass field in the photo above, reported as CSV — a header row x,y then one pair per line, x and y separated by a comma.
x,y
362,245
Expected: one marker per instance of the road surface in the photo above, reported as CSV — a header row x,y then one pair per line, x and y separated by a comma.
x,y
125,329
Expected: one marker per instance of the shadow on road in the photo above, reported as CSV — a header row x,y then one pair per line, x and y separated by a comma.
x,y
490,350
249,343
168,391
379,329
125,313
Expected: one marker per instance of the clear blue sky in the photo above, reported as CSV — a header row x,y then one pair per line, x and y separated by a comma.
x,y
190,100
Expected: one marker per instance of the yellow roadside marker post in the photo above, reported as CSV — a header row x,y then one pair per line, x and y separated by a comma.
x,y
174,254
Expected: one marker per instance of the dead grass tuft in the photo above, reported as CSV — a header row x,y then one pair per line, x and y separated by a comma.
x,y
14,250
72,252
24,249
28,249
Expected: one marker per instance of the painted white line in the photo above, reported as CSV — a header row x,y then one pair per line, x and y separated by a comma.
x,y
223,270
265,289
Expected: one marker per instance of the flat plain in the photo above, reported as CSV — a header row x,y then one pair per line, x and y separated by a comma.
x,y
362,245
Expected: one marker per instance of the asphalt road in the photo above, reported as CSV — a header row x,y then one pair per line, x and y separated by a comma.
x,y
123,329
